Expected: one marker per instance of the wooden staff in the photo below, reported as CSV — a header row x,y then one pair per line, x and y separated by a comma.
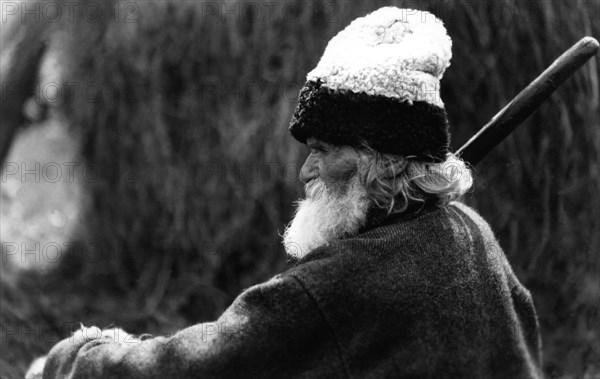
x,y
527,101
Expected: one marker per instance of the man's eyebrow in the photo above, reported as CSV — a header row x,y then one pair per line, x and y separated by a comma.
x,y
317,144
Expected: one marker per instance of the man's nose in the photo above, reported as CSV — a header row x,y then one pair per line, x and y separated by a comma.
x,y
309,170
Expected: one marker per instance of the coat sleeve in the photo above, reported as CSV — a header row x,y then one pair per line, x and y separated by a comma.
x,y
271,330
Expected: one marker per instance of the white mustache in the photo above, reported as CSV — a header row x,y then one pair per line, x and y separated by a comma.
x,y
314,188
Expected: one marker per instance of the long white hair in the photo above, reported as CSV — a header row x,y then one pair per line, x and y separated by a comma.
x,y
394,182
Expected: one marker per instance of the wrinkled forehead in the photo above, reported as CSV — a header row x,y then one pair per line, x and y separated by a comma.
x,y
341,150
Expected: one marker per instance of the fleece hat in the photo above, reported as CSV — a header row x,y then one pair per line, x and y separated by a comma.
x,y
379,82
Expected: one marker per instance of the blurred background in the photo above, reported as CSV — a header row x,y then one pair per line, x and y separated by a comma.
x,y
148,171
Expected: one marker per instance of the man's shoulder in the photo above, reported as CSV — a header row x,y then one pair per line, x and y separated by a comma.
x,y
468,211
471,214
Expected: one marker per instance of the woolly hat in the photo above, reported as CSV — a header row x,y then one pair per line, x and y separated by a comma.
x,y
378,81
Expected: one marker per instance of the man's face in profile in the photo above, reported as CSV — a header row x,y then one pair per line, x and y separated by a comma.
x,y
334,165
336,202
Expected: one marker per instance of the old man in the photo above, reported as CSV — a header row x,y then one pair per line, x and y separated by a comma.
x,y
393,279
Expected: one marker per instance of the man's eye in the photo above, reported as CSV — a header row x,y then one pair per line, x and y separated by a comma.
x,y
317,149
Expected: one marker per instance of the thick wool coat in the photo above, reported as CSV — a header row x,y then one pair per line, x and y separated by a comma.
x,y
422,295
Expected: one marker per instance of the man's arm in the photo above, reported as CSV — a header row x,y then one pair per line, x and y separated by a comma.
x,y
271,330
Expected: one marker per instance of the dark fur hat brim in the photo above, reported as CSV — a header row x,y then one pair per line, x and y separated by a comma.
x,y
388,125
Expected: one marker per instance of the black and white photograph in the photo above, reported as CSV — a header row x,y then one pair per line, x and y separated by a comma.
x,y
299,189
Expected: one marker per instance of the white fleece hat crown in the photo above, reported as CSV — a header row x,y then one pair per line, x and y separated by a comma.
x,y
400,53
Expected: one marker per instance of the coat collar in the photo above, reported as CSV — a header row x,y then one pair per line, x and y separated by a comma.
x,y
379,217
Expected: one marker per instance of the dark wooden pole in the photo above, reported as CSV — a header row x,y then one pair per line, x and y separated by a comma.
x,y
527,101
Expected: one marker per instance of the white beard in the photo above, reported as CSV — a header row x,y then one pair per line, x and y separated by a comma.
x,y
325,215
